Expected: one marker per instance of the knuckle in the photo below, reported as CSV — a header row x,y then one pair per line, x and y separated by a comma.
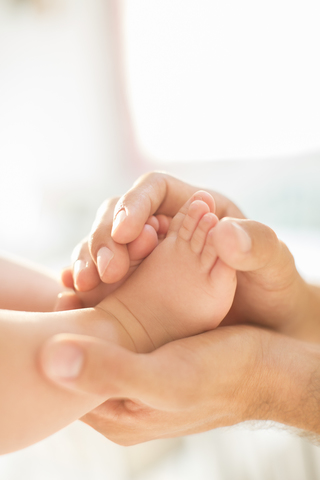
x,y
155,180
106,205
91,242
149,176
287,255
273,238
78,250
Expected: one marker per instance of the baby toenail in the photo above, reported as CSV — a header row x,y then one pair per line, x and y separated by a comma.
x,y
198,197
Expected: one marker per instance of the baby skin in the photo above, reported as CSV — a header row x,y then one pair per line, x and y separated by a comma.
x,y
180,289
85,295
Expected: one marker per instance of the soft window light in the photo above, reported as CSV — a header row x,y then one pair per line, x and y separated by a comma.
x,y
224,79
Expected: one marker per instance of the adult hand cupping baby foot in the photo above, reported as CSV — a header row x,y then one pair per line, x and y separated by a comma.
x,y
270,292
264,264
216,379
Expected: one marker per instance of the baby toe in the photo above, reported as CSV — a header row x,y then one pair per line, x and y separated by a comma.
x,y
196,211
209,254
197,242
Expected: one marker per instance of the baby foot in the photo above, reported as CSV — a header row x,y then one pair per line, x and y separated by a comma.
x,y
181,288
84,295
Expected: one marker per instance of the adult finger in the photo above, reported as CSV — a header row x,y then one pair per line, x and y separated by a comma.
x,y
270,290
106,259
173,377
67,301
85,275
84,271
153,193
67,277
250,246
164,223
94,366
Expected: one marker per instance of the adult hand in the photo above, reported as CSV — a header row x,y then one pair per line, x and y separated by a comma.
x,y
121,259
121,221
270,291
216,379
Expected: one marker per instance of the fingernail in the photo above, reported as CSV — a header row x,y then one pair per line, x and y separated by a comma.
x,y
78,267
63,360
244,240
120,216
104,257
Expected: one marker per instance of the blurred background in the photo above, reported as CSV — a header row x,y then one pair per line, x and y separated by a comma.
x,y
223,94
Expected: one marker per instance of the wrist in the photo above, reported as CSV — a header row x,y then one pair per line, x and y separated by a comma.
x,y
287,383
305,313
309,324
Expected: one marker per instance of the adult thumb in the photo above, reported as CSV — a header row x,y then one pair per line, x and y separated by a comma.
x,y
250,246
97,367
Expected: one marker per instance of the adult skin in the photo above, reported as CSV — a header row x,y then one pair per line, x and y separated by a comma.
x,y
220,378
276,376
270,290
